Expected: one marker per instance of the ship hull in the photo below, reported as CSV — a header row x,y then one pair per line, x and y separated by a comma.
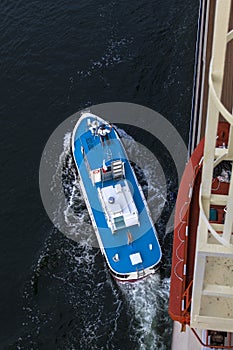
x,y
185,229
128,241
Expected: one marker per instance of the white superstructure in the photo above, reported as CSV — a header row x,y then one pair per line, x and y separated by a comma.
x,y
118,205
212,302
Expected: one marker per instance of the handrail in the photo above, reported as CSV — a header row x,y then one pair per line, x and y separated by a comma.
x,y
230,36
219,105
229,117
211,346
187,294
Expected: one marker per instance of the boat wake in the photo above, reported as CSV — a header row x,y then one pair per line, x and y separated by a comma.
x,y
148,300
71,300
149,173
71,216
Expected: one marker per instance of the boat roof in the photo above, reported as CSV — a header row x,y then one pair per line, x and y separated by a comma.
x,y
144,238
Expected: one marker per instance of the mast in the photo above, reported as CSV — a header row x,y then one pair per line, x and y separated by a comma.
x,y
212,295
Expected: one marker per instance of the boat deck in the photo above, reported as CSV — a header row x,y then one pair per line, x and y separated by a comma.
x,y
144,238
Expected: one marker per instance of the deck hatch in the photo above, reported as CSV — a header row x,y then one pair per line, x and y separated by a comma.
x,y
135,258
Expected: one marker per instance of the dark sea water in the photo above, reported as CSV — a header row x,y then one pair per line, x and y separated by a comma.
x,y
58,57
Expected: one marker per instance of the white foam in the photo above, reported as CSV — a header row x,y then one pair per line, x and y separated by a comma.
x,y
71,215
146,298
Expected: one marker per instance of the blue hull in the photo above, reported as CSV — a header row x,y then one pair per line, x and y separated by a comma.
x,y
132,250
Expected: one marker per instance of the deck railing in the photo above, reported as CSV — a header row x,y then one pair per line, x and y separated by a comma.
x,y
212,303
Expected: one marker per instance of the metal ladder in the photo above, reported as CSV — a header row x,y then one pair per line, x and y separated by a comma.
x,y
117,169
140,272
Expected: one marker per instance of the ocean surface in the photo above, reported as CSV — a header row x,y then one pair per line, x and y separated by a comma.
x,y
57,58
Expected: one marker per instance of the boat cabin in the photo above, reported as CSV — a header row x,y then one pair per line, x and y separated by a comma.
x,y
118,205
107,173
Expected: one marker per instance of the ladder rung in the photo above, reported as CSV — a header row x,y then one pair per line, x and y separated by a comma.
x,y
217,227
220,152
218,199
218,291
117,167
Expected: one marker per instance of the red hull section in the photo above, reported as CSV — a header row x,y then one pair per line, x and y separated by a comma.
x,y
185,228
184,240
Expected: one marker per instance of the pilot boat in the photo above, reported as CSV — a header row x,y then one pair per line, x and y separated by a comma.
x,y
115,201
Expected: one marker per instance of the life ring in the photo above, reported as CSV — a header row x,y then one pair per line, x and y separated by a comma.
x,y
96,171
